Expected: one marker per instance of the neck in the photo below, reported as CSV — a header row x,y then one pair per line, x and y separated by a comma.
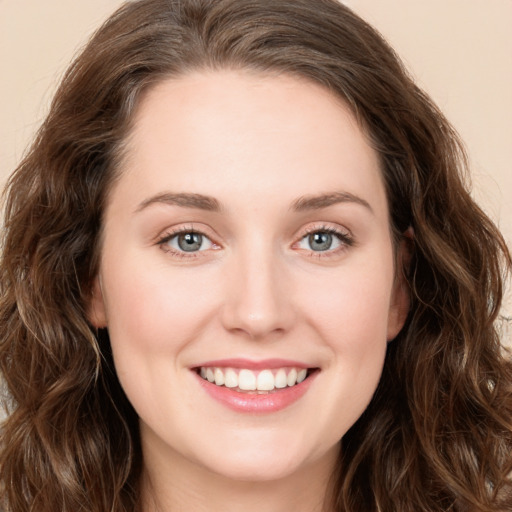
x,y
173,484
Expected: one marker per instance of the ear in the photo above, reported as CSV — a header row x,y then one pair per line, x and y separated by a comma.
x,y
400,298
96,313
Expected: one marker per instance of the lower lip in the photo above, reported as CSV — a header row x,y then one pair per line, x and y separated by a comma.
x,y
257,403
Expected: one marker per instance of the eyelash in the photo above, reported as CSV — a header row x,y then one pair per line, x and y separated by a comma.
x,y
345,238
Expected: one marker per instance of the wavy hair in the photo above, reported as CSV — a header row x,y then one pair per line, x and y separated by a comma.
x,y
437,435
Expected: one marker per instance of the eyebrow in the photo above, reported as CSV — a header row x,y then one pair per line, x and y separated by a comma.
x,y
317,202
208,203
185,200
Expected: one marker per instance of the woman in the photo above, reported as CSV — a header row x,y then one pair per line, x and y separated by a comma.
x,y
241,270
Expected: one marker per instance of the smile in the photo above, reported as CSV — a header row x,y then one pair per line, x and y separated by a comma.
x,y
255,387
245,380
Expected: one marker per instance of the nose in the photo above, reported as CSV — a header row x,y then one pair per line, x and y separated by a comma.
x,y
258,303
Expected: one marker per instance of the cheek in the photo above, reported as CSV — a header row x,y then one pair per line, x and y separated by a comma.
x,y
155,310
351,317
352,307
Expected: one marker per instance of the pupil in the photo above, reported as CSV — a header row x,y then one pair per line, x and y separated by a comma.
x,y
190,242
320,241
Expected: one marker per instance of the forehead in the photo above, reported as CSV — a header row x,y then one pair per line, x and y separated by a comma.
x,y
248,135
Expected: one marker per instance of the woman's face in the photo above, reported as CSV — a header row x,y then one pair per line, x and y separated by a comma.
x,y
247,241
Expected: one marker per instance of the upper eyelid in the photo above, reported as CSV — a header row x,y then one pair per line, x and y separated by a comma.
x,y
328,229
169,233
165,237
323,226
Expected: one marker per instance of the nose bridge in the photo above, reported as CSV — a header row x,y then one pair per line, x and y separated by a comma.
x,y
257,301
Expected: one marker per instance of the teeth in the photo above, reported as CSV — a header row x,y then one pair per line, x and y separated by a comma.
x,y
265,381
219,376
247,380
292,377
280,379
231,379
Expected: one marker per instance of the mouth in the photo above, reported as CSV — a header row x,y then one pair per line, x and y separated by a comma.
x,y
262,381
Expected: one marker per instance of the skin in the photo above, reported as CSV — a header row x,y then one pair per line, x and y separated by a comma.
x,y
259,145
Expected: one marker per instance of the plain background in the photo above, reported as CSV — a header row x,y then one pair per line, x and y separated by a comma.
x,y
459,51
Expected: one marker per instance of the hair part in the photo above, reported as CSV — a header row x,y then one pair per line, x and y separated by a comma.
x,y
437,435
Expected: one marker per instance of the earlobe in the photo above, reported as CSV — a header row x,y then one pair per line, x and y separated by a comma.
x,y
400,299
96,313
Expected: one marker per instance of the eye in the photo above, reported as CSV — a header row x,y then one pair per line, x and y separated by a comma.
x,y
187,241
324,240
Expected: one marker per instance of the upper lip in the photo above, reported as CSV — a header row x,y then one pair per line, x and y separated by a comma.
x,y
250,364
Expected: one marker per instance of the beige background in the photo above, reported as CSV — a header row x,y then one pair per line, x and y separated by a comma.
x,y
460,51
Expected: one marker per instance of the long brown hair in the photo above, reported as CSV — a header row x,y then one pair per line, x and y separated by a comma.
x,y
437,435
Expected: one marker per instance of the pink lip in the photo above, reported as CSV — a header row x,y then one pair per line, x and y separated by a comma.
x,y
253,365
257,403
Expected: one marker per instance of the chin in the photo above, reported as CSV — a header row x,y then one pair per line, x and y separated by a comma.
x,y
262,470
260,462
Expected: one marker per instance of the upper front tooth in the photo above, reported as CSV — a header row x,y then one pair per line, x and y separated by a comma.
x,y
210,375
247,380
265,381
